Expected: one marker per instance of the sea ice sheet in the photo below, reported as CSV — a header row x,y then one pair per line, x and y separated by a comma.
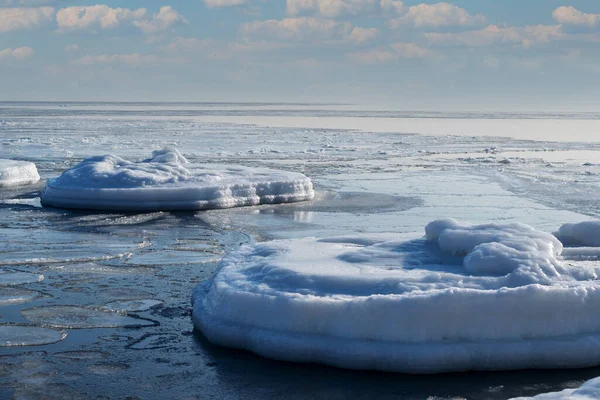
x,y
590,390
482,297
15,173
168,182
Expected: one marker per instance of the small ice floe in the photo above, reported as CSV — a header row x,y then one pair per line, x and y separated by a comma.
x,y
168,182
465,297
16,173
590,390
9,278
16,295
75,317
28,335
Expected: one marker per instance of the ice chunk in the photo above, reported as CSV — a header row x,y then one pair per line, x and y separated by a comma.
x,y
28,335
483,297
75,317
590,390
15,173
168,182
581,234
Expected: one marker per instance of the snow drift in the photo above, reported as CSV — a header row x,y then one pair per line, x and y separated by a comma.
x,y
15,173
168,182
485,297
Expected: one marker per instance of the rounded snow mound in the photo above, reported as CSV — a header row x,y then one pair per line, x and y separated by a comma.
x,y
167,181
585,233
484,297
16,173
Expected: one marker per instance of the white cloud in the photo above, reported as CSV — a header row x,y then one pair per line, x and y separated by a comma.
x,y
398,50
572,16
71,48
410,50
188,44
105,17
395,6
376,56
215,49
298,28
20,53
160,21
100,15
335,8
223,3
437,15
493,35
24,18
363,35
129,59
27,3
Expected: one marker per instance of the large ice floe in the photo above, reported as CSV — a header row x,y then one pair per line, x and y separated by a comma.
x,y
464,297
16,173
168,181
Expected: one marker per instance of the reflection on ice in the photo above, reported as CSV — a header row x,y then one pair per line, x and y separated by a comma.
x,y
94,268
132,305
75,317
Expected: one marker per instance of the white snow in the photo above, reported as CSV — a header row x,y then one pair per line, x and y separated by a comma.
x,y
483,297
585,233
590,390
16,173
168,182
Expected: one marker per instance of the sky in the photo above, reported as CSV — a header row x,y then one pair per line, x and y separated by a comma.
x,y
467,54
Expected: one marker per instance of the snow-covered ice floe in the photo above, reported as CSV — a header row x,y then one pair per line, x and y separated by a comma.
x,y
485,297
16,173
590,390
168,182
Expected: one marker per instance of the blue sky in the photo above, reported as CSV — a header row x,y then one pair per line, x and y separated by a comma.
x,y
509,54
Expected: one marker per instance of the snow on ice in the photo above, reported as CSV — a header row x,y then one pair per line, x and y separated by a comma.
x,y
482,297
16,173
168,181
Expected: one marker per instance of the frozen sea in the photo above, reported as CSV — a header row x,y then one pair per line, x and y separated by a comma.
x,y
97,305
